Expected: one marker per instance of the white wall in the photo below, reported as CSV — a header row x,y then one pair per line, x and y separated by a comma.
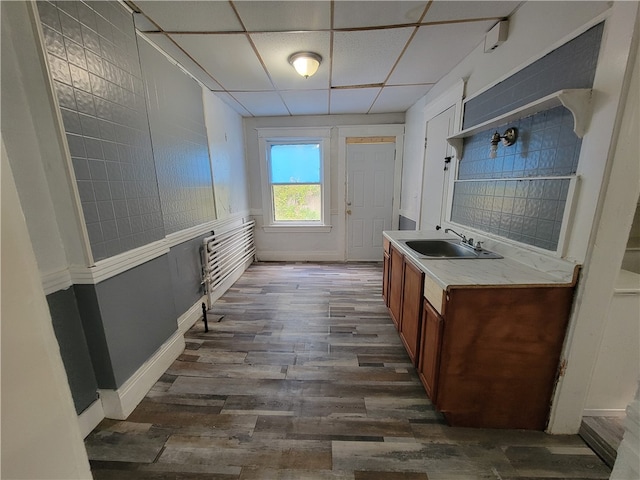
x,y
40,433
610,231
305,246
227,153
536,29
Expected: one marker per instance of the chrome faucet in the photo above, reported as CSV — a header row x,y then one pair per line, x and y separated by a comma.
x,y
465,240
447,230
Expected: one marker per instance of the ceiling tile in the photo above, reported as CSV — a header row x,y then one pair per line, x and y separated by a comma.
x,y
398,99
352,100
446,10
307,102
171,49
275,49
262,104
233,103
228,58
348,14
426,61
263,16
143,24
366,57
191,16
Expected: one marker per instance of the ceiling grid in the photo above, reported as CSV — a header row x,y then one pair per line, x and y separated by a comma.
x,y
378,56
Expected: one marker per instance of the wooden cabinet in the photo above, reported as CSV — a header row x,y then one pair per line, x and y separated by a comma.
x,y
487,356
386,260
411,317
491,359
429,361
396,284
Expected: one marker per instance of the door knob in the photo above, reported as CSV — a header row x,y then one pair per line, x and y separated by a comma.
x,y
349,212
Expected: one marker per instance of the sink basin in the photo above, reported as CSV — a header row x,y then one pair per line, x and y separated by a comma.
x,y
446,249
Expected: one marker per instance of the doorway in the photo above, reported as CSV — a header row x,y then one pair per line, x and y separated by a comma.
x,y
369,196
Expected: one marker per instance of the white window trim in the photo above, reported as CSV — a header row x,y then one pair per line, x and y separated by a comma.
x,y
320,135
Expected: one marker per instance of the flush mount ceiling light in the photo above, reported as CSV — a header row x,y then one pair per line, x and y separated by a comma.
x,y
509,138
305,63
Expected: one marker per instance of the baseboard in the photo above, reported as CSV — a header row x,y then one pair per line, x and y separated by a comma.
x,y
191,316
228,282
603,412
90,418
118,404
315,256
55,281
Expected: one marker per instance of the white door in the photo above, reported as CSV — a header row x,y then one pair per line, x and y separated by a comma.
x,y
370,169
435,178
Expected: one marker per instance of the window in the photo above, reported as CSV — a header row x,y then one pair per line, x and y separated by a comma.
x,y
295,173
295,177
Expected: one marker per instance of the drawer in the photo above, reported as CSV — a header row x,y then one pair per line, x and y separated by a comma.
x,y
386,245
433,293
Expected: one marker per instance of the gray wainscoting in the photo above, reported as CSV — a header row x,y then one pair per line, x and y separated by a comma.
x,y
127,318
69,331
185,266
406,223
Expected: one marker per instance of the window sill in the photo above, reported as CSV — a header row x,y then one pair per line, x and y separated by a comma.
x,y
297,228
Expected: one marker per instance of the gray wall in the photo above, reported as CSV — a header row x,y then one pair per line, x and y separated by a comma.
x,y
127,318
94,332
93,58
67,326
186,273
406,223
180,147
530,208
573,65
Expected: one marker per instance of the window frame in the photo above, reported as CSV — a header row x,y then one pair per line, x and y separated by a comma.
x,y
288,136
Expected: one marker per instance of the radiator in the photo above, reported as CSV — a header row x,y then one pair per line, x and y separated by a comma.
x,y
223,253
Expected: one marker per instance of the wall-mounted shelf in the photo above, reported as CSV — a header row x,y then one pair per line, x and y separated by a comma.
x,y
577,101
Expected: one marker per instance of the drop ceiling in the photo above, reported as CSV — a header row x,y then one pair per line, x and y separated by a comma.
x,y
378,56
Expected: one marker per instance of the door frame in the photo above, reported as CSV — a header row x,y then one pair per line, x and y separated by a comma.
x,y
344,132
452,97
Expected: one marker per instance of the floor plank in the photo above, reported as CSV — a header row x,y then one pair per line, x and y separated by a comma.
x,y
305,377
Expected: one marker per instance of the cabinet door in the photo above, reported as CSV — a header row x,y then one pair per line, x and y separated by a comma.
x,y
396,285
429,364
385,278
411,321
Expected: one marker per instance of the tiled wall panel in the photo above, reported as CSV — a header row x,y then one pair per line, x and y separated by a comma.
x,y
93,57
573,65
530,208
180,147
546,146
528,211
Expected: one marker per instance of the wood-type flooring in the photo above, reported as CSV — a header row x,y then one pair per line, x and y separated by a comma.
x,y
305,377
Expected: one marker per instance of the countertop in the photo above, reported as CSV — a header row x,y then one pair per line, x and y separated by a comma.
x,y
532,270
